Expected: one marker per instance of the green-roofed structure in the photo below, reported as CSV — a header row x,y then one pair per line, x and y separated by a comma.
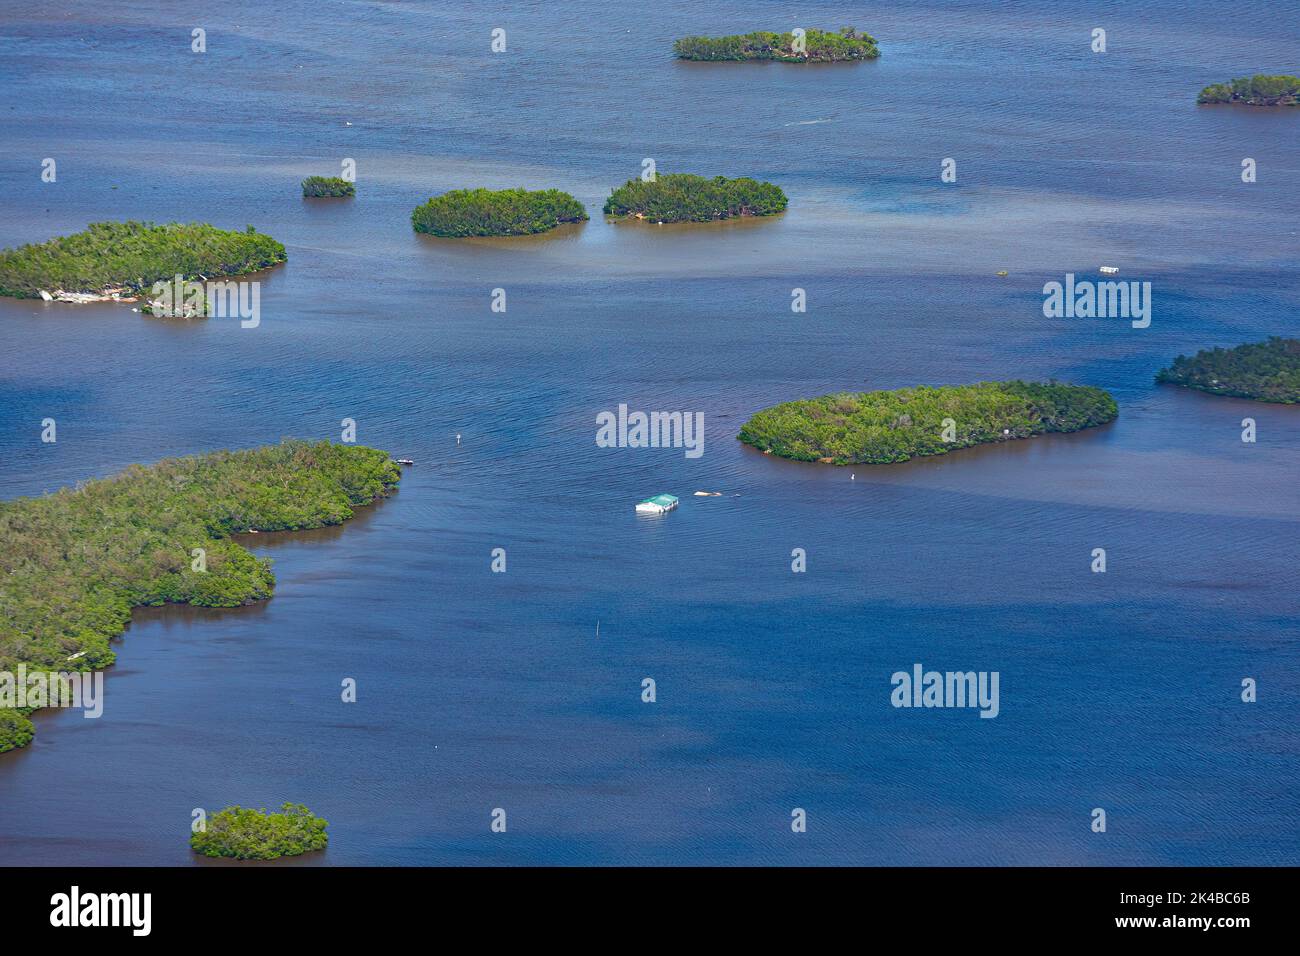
x,y
659,504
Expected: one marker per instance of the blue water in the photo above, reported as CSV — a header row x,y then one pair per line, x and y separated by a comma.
x,y
481,690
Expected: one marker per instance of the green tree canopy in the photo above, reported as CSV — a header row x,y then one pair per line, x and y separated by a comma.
x,y
1267,371
74,563
881,427
1258,90
133,255
244,834
820,46
318,187
502,212
684,197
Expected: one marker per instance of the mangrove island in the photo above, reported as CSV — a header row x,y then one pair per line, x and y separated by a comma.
x,y
327,187
892,426
501,212
1267,371
683,197
240,833
74,563
1258,90
817,46
120,260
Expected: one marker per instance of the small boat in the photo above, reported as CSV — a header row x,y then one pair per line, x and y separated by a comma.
x,y
404,461
1109,270
1003,272
658,505
708,494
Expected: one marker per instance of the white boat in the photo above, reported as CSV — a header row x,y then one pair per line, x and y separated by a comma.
x,y
1109,270
658,505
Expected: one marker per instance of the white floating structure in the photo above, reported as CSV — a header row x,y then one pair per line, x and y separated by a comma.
x,y
1109,270
658,505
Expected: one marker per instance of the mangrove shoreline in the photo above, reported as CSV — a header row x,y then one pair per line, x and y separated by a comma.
x,y
883,427
78,561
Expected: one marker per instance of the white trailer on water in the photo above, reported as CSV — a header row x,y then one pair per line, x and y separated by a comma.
x,y
658,505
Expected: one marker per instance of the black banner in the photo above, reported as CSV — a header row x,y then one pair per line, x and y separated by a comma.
x,y
333,905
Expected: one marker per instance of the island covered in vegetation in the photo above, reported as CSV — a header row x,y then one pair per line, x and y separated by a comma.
x,y
501,212
683,197
1258,90
818,46
16,728
1267,371
321,187
111,260
243,834
892,426
74,563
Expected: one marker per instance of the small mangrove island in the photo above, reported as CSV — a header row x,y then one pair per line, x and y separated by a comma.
x,y
1267,371
683,197
462,213
327,187
1258,90
120,260
818,46
892,426
74,563
240,833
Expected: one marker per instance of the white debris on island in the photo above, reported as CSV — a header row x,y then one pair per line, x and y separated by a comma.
x,y
107,295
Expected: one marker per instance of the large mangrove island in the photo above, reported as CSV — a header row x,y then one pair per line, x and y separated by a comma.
x,y
683,197
814,46
891,426
74,563
110,260
1257,90
501,212
1267,371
